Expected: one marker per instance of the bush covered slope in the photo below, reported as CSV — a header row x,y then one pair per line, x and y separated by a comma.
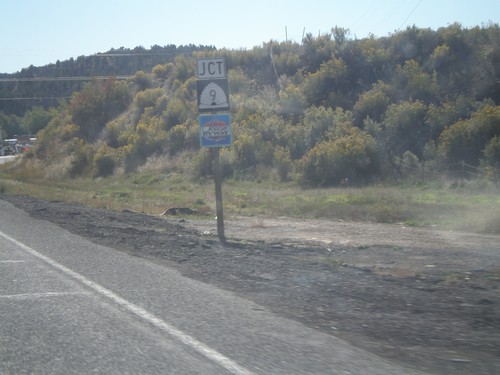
x,y
332,110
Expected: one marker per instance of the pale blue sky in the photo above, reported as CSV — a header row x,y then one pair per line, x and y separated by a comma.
x,y
39,32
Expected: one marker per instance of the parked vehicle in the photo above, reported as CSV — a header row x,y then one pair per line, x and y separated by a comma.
x,y
8,150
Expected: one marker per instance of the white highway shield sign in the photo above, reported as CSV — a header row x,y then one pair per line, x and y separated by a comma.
x,y
213,95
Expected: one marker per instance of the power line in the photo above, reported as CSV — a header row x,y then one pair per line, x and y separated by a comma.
x,y
409,15
37,98
62,79
55,79
128,54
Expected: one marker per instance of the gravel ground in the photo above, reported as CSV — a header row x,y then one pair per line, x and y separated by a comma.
x,y
429,299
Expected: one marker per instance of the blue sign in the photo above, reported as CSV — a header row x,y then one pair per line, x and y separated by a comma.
x,y
215,130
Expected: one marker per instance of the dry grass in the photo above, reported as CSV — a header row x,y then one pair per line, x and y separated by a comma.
x,y
160,184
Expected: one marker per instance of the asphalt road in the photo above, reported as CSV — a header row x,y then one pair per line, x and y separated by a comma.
x,y
69,306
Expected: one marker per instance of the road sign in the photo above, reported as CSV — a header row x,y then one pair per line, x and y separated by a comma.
x,y
215,130
213,95
214,68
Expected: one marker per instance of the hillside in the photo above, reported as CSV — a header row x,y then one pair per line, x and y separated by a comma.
x,y
330,111
40,82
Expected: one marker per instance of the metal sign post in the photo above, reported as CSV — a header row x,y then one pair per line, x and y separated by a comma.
x,y
218,194
215,128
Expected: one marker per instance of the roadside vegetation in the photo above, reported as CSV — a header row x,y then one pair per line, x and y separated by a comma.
x,y
404,128
473,207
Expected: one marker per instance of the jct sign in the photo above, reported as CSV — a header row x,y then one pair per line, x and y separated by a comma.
x,y
212,87
211,68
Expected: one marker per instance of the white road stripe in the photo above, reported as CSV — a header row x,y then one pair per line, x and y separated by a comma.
x,y
186,339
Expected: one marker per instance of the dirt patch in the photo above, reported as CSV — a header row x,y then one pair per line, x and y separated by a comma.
x,y
428,299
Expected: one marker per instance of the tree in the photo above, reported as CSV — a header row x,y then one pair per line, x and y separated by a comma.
x,y
293,139
349,157
142,80
286,58
103,161
439,58
177,138
245,156
162,71
283,163
372,104
405,128
373,60
325,87
10,125
148,138
148,98
292,101
319,120
96,104
492,152
465,140
183,68
35,120
414,83
316,51
443,115
456,64
492,156
176,113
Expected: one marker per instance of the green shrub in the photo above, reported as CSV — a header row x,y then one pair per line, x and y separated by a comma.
x,y
104,162
344,160
142,80
80,157
148,98
176,139
163,70
202,165
283,163
244,150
